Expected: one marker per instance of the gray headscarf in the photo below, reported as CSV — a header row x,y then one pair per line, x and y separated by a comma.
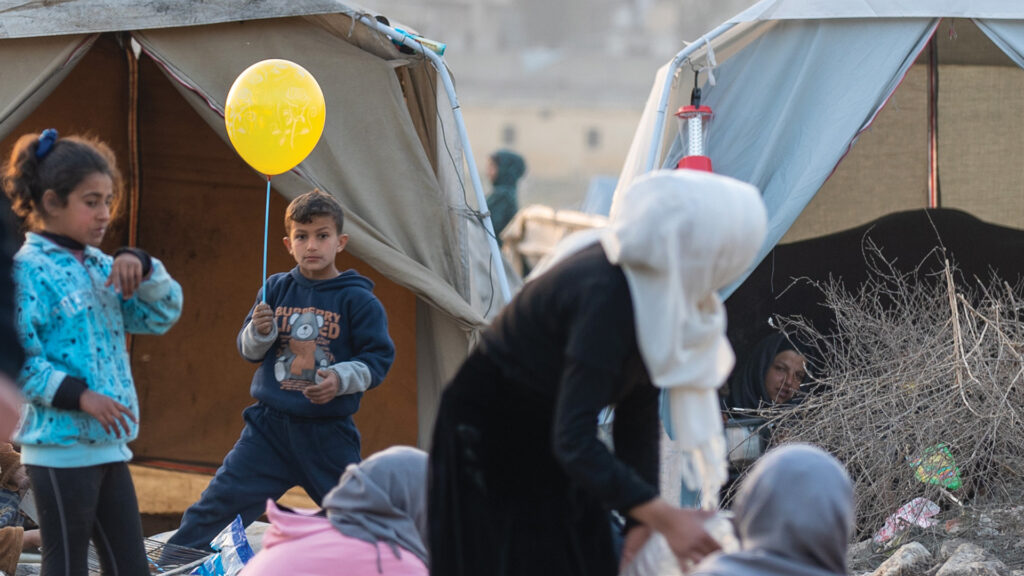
x,y
384,499
794,516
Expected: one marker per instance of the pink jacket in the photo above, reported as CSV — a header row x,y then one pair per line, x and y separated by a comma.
x,y
299,544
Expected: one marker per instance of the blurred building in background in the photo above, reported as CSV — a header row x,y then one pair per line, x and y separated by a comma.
x,y
561,82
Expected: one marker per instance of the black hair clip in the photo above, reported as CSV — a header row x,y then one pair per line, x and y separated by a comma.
x,y
46,140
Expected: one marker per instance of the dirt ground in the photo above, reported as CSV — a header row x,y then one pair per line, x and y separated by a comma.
x,y
165,494
1000,531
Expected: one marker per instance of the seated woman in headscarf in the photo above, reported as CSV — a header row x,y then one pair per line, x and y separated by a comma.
x,y
794,516
770,375
520,483
375,524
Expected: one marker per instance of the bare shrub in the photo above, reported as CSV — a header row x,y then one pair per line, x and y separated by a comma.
x,y
915,361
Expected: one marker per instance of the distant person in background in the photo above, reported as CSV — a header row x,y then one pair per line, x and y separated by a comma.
x,y
505,170
793,516
771,374
11,353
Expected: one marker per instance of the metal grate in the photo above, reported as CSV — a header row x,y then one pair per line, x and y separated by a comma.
x,y
165,559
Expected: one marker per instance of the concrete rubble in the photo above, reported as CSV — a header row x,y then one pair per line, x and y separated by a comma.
x,y
971,544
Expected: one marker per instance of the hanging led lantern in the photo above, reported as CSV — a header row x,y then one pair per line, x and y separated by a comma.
x,y
694,124
693,133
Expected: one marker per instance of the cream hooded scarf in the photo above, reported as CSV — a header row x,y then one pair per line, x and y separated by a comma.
x,y
680,236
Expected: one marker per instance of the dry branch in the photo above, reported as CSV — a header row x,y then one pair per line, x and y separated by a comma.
x,y
913,361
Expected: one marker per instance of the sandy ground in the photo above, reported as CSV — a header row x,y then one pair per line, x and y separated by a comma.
x,y
171,492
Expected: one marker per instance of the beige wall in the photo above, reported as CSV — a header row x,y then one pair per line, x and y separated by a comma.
x,y
985,177
553,140
886,171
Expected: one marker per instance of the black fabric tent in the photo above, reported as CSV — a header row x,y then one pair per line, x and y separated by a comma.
x,y
909,239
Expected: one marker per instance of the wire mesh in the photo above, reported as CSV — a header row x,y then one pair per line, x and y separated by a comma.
x,y
165,559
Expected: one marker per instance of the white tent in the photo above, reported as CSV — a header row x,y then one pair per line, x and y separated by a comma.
x,y
152,78
846,110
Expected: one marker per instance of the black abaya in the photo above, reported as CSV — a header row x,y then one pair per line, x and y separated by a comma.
x,y
520,484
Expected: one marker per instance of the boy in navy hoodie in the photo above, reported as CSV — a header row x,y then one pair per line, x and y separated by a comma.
x,y
321,339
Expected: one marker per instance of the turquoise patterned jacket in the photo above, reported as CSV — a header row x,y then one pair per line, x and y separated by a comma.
x,y
72,325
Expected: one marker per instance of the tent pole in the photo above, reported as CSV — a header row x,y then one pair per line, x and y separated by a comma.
x,y
654,152
134,166
449,86
934,197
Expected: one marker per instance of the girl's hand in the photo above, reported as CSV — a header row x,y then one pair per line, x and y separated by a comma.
x,y
126,274
263,318
113,415
10,408
326,390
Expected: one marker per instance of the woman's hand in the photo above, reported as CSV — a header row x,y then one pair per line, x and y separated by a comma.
x,y
125,274
112,415
682,528
684,531
20,478
31,540
632,543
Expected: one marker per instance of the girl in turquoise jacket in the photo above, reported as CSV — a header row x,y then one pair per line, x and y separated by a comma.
x,y
75,306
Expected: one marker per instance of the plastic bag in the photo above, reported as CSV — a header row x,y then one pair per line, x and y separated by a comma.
x,y
233,552
917,512
938,467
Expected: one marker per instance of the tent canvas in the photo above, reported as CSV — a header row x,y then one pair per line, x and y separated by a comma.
x,y
847,110
152,83
825,106
916,243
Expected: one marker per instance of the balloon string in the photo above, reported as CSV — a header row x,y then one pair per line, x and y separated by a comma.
x,y
266,233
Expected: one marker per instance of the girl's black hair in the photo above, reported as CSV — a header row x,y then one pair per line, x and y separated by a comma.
x,y
70,159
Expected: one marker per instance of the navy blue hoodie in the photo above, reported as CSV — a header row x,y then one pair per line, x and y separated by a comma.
x,y
320,323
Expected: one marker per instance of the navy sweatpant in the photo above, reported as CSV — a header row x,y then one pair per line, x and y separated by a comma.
x,y
275,453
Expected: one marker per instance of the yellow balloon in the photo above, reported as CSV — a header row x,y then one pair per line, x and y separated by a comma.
x,y
274,115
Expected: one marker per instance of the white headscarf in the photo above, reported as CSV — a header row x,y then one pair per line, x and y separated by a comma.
x,y
680,236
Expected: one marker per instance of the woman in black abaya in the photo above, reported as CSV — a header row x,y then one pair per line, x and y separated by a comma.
x,y
519,482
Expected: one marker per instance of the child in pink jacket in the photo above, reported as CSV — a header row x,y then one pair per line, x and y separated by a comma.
x,y
375,524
